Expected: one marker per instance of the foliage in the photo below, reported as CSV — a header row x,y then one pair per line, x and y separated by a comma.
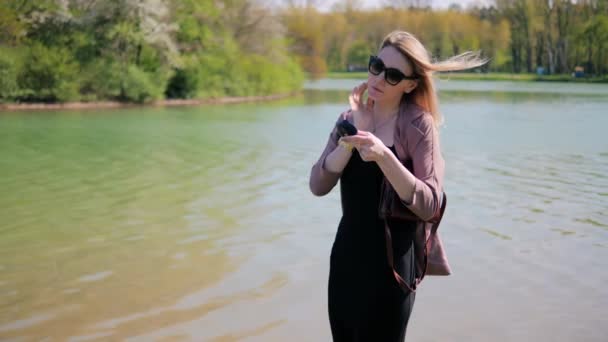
x,y
141,50
517,35
9,69
48,75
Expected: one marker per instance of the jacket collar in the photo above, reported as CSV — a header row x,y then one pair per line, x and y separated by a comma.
x,y
408,112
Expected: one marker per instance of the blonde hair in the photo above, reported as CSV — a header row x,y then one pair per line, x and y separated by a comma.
x,y
424,94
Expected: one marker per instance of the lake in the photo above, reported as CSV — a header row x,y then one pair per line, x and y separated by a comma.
x,y
196,223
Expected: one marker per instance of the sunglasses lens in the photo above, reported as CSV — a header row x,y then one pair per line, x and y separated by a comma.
x,y
376,66
393,76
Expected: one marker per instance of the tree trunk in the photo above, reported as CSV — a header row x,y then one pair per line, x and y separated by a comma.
x,y
563,13
523,16
529,56
589,55
600,56
550,48
550,57
540,46
138,55
516,53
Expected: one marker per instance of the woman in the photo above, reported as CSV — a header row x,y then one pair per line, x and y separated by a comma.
x,y
397,125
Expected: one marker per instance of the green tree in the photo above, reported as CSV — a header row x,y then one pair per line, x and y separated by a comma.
x,y
358,54
48,75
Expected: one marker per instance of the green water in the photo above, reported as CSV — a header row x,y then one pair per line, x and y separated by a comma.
x,y
196,223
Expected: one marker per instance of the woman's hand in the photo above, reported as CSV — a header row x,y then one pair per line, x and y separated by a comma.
x,y
370,147
362,112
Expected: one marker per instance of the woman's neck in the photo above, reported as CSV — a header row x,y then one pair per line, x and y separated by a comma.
x,y
385,110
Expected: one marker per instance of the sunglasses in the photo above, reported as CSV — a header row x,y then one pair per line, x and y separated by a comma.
x,y
392,76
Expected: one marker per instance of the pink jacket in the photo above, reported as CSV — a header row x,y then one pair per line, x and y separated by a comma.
x,y
416,139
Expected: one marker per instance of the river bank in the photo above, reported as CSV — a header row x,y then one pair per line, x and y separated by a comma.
x,y
7,107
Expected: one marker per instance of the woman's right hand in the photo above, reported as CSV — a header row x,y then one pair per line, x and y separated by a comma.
x,y
362,112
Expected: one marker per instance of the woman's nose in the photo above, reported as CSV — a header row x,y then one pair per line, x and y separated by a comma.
x,y
381,77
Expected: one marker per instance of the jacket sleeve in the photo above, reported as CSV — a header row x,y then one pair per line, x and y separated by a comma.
x,y
428,169
321,180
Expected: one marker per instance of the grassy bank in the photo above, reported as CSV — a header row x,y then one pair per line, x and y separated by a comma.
x,y
159,103
486,77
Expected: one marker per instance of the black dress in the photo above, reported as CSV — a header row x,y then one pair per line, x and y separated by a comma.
x,y
365,302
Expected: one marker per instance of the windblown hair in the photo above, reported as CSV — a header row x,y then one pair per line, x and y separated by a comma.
x,y
424,94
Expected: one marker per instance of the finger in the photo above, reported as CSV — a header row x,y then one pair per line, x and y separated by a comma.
x,y
370,104
352,100
360,98
363,87
357,140
364,153
363,135
351,142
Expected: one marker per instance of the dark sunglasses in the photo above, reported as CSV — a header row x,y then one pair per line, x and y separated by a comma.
x,y
392,76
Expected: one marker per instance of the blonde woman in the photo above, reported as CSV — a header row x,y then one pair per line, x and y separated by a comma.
x,y
396,140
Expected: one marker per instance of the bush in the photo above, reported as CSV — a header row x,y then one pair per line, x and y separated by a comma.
x,y
265,76
48,75
358,55
138,86
248,75
314,65
108,80
212,76
185,82
9,69
100,80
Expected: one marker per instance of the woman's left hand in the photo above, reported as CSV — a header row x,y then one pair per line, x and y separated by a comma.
x,y
370,147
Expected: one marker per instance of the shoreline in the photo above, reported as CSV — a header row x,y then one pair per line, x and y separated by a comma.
x,y
14,107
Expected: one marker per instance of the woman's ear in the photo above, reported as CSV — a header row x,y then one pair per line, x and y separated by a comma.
x,y
411,86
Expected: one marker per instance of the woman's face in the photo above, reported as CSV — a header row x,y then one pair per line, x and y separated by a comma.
x,y
377,87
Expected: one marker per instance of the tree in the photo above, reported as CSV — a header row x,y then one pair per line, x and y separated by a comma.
x,y
563,12
304,27
595,34
11,28
358,55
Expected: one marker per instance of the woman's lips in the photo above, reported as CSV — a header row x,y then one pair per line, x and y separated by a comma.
x,y
377,90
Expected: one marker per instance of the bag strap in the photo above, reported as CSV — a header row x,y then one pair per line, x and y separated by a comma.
x,y
427,248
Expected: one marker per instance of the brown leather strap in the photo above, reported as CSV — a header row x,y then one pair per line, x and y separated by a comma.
x,y
427,248
389,251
